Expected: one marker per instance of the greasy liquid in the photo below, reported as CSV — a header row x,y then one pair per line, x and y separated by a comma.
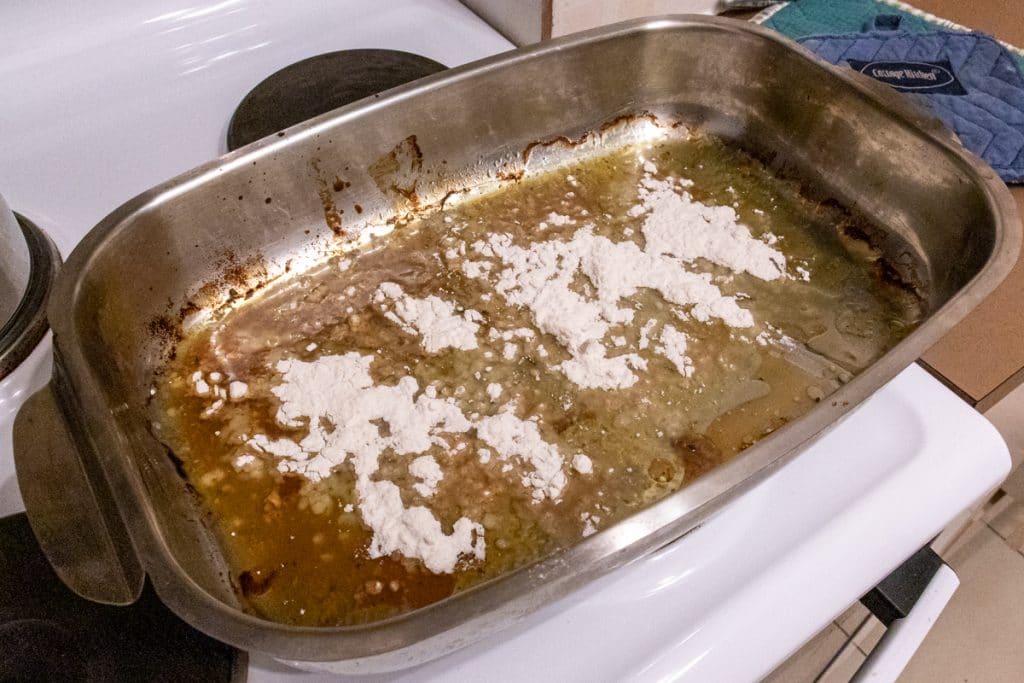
x,y
298,548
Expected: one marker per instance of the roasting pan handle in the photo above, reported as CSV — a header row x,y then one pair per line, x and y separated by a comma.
x,y
70,509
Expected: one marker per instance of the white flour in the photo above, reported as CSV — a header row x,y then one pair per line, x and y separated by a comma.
x,y
673,347
645,333
540,277
559,220
511,437
582,464
508,335
336,400
589,524
475,269
677,225
244,460
237,390
433,318
199,385
426,469
677,229
338,391
414,531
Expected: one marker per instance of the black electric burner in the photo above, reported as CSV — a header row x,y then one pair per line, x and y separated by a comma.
x,y
47,633
319,84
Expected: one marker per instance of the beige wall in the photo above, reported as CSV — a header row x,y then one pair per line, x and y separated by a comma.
x,y
528,21
521,21
570,16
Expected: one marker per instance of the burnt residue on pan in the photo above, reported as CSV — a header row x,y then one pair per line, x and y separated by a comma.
x,y
510,174
899,271
616,124
237,279
398,172
894,260
325,190
165,330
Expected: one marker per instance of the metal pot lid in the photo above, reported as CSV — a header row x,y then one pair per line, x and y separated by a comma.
x,y
25,324
14,263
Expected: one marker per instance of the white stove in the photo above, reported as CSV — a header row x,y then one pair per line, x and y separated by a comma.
x,y
102,103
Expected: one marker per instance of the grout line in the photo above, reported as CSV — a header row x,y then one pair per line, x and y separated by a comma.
x,y
834,661
866,626
853,635
1005,541
999,535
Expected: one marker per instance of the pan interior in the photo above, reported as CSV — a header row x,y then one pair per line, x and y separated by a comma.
x,y
570,347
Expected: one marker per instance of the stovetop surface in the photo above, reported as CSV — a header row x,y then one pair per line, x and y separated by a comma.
x,y
47,633
105,103
102,105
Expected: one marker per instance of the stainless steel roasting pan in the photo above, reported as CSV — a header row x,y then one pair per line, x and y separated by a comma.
x,y
105,499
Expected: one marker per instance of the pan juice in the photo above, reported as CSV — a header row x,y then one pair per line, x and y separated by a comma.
x,y
508,375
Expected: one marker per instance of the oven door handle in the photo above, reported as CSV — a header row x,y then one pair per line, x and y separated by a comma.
x,y
905,635
70,508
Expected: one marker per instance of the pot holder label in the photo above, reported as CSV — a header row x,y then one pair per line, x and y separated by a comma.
x,y
915,77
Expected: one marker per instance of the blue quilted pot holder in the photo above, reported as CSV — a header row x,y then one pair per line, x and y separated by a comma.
x,y
968,80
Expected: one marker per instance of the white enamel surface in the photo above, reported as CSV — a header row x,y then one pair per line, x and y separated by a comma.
x,y
103,102
102,105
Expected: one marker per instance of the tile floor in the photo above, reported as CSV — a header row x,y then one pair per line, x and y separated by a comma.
x,y
980,635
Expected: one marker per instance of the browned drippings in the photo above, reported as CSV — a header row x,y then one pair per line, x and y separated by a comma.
x,y
298,548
